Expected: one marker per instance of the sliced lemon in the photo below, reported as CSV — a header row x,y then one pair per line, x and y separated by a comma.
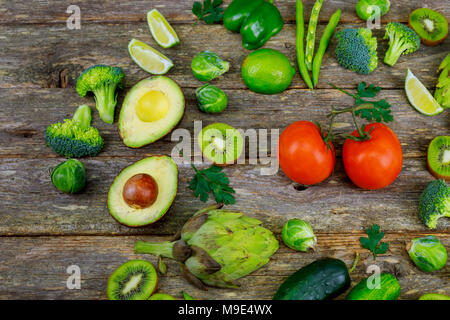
x,y
161,30
419,96
149,59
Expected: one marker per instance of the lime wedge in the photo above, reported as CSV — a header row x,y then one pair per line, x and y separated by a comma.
x,y
149,59
419,96
161,30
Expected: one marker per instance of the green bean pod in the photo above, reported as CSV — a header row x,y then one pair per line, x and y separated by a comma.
x,y
300,47
324,42
311,36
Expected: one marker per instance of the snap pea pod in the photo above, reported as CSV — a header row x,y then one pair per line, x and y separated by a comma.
x,y
300,47
324,42
311,36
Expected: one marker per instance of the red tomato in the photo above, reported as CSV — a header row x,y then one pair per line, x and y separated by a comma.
x,y
303,154
375,163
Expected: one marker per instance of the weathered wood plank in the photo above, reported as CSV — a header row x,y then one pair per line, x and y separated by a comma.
x,y
32,206
26,113
53,56
35,268
52,11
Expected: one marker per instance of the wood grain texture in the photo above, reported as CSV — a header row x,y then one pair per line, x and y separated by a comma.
x,y
35,268
176,11
32,206
55,56
43,232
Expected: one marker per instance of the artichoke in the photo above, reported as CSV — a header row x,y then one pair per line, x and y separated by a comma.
x,y
217,247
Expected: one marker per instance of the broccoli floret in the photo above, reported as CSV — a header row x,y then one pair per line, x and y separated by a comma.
x,y
402,40
103,82
434,203
75,138
357,50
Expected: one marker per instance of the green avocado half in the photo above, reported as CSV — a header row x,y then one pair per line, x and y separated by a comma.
x,y
151,109
163,172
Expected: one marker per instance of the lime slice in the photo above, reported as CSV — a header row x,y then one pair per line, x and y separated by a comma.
x,y
149,59
161,30
419,96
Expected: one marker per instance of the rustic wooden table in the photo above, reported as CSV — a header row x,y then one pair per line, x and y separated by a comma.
x,y
43,232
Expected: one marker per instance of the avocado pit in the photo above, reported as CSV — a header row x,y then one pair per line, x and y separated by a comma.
x,y
140,191
152,106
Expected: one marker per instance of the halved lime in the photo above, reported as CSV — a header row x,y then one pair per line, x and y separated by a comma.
x,y
419,96
148,58
161,30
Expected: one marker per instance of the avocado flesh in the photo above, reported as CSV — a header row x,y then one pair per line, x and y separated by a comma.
x,y
151,109
165,172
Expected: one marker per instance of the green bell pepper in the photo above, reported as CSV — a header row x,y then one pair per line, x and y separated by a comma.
x,y
256,20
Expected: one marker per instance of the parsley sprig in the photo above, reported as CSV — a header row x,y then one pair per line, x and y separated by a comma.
x,y
214,180
378,110
373,243
209,12
371,110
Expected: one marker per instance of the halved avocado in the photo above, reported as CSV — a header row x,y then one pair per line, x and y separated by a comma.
x,y
151,109
143,192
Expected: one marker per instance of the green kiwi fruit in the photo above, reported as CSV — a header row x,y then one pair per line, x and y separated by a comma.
x,y
221,144
430,25
134,280
439,157
161,296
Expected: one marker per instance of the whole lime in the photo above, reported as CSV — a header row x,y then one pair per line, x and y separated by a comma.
x,y
267,71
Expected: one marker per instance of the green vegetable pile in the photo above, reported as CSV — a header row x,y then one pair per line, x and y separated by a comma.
x,y
217,247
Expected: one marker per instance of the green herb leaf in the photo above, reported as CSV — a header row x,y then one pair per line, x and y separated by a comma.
x,y
212,180
373,243
380,110
366,91
210,12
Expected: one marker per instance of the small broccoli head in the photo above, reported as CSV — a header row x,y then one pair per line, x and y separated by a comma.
x,y
402,40
434,203
357,50
103,82
75,138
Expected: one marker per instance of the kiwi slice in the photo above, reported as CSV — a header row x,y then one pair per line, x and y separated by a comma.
x,y
430,25
221,144
439,157
134,280
161,296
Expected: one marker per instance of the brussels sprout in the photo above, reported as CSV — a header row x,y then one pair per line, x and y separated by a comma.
x,y
207,66
298,235
211,99
365,9
427,253
69,176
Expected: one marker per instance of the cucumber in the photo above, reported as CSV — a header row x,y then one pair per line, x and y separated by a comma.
x,y
389,289
320,280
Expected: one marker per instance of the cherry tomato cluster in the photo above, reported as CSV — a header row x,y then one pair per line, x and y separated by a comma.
x,y
371,164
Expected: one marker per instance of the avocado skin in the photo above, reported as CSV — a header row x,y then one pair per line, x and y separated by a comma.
x,y
321,280
115,211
